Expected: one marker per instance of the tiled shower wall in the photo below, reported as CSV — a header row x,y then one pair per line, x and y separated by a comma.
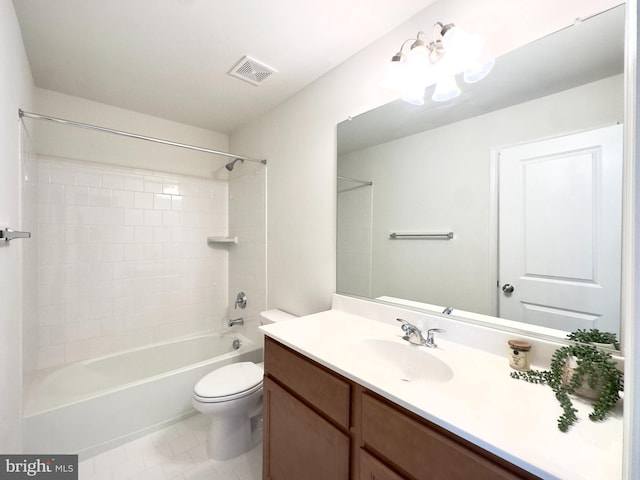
x,y
29,253
123,259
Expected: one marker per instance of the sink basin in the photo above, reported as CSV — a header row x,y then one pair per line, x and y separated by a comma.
x,y
401,361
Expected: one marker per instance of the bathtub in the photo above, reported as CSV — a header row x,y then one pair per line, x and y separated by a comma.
x,y
91,406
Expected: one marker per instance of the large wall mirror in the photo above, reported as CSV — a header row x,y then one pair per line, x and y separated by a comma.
x,y
503,205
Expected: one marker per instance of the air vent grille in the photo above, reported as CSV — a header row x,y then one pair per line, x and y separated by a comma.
x,y
252,71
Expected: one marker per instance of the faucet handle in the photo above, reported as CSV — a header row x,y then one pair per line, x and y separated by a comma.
x,y
406,326
431,336
241,301
408,330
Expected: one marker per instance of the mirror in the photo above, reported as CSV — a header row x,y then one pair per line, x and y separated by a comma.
x,y
441,168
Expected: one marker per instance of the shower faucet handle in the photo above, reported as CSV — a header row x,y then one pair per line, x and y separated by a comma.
x,y
241,301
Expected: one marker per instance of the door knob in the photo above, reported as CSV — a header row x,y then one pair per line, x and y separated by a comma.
x,y
508,288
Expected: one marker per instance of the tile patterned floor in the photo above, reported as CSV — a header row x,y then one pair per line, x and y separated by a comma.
x,y
177,452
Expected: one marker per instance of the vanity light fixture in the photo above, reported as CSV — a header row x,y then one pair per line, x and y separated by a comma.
x,y
437,62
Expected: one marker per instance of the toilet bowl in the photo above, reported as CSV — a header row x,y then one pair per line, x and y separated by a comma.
x,y
232,396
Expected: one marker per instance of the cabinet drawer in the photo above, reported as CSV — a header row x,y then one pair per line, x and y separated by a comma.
x,y
317,386
425,452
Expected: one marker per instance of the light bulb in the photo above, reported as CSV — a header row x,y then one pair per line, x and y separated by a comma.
x,y
446,89
462,44
413,91
396,76
477,71
462,49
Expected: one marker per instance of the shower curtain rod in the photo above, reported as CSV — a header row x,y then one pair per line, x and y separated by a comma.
x,y
349,179
22,114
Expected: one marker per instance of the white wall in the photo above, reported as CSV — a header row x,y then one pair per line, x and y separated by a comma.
x,y
298,137
16,86
76,143
439,180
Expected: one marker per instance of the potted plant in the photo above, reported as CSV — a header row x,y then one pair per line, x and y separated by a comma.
x,y
581,369
595,336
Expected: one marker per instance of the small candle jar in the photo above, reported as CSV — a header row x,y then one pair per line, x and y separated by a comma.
x,y
519,355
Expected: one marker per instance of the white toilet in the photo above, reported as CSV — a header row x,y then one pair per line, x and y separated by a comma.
x,y
232,395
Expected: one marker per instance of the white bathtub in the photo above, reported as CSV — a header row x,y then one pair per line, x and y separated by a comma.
x,y
94,405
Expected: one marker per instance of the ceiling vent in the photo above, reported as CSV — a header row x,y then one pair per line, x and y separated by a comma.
x,y
251,71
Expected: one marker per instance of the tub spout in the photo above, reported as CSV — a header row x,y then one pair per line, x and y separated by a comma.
x,y
236,321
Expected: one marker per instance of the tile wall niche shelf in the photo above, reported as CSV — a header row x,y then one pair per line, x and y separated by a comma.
x,y
233,240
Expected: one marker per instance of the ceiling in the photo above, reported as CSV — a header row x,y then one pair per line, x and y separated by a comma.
x,y
170,58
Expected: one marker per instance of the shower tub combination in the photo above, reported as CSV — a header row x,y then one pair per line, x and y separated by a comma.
x,y
91,406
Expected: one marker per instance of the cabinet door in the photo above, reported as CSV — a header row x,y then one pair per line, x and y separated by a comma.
x,y
373,469
299,443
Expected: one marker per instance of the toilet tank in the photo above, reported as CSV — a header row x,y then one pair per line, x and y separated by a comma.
x,y
275,315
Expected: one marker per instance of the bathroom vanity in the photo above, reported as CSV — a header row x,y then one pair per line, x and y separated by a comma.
x,y
346,398
320,425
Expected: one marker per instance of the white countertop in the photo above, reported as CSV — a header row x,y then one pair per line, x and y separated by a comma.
x,y
481,403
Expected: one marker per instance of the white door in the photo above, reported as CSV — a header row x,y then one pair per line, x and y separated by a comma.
x,y
560,204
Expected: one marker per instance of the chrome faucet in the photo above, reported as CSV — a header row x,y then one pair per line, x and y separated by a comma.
x,y
236,321
413,334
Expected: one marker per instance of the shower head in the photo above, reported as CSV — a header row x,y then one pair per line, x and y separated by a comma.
x,y
229,166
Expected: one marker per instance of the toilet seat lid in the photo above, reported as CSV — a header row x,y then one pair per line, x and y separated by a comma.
x,y
230,380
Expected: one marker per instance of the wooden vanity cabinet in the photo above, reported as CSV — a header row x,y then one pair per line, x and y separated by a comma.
x,y
319,425
306,418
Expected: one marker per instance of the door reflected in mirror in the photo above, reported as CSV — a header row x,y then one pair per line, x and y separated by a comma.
x,y
443,168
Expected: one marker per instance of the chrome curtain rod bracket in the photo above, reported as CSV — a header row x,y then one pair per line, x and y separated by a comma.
x,y
400,236
62,121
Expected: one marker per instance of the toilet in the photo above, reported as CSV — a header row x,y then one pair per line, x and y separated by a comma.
x,y
232,396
